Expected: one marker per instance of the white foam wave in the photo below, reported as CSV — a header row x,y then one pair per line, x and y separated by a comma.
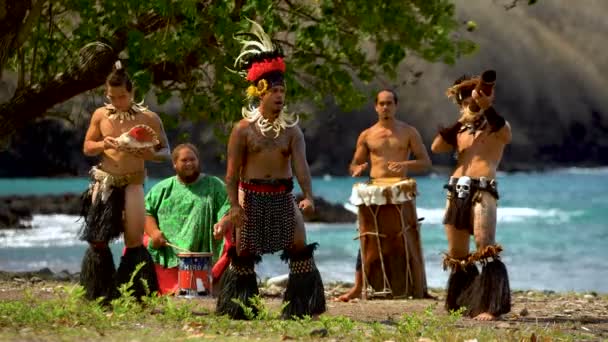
x,y
507,214
504,214
61,230
47,231
603,170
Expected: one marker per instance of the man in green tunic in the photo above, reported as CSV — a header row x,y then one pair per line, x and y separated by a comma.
x,y
182,210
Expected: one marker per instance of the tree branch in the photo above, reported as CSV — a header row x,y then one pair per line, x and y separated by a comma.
x,y
21,74
293,9
297,9
12,17
3,10
96,62
235,15
26,29
35,55
296,50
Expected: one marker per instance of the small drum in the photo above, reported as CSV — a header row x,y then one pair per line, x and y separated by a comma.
x,y
194,274
391,253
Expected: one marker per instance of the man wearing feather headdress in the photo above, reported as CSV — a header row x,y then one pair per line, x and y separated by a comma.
x,y
478,138
124,134
262,148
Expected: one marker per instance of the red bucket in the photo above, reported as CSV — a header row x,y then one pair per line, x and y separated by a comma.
x,y
194,274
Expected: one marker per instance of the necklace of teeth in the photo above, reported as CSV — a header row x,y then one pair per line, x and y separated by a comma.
x,y
129,115
282,122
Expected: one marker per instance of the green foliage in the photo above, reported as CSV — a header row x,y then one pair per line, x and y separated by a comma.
x,y
427,324
63,314
331,45
263,312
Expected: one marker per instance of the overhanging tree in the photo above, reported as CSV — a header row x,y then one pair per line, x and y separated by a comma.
x,y
62,48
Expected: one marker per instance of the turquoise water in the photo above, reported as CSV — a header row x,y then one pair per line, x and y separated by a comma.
x,y
552,225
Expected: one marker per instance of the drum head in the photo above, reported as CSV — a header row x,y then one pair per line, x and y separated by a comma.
x,y
386,181
194,254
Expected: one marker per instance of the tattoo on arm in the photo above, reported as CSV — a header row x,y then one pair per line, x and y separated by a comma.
x,y
236,153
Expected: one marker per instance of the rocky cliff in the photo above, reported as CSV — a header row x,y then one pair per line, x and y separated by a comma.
x,y
551,62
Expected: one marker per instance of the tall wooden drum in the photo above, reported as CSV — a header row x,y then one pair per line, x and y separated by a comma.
x,y
391,252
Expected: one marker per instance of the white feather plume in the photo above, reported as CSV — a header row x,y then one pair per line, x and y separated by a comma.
x,y
254,47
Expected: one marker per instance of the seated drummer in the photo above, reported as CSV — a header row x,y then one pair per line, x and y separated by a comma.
x,y
182,211
387,145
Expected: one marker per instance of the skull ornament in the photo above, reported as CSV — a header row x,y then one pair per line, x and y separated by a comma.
x,y
463,187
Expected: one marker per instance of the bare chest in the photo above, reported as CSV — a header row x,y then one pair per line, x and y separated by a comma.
x,y
387,142
115,128
473,142
260,144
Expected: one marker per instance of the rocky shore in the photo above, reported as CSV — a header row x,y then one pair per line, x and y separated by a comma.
x,y
33,277
16,211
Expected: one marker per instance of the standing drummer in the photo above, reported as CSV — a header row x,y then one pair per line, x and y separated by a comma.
x,y
387,145
182,210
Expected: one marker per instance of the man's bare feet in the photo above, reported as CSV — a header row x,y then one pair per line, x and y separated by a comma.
x,y
484,316
353,293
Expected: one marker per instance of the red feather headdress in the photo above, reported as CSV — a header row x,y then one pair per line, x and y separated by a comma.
x,y
258,69
260,59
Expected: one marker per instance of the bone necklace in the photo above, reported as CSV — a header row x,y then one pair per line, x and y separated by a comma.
x,y
115,114
474,127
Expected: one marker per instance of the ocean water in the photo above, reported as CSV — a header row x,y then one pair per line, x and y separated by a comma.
x,y
553,226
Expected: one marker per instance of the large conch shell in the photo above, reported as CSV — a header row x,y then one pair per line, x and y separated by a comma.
x,y
139,137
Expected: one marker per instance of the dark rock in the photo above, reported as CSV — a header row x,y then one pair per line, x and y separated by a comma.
x,y
38,276
319,333
7,217
15,211
328,212
389,322
64,276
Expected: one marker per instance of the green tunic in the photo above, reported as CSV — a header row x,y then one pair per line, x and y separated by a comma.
x,y
186,215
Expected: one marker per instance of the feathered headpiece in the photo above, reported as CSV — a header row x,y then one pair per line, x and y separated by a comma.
x,y
260,61
462,88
